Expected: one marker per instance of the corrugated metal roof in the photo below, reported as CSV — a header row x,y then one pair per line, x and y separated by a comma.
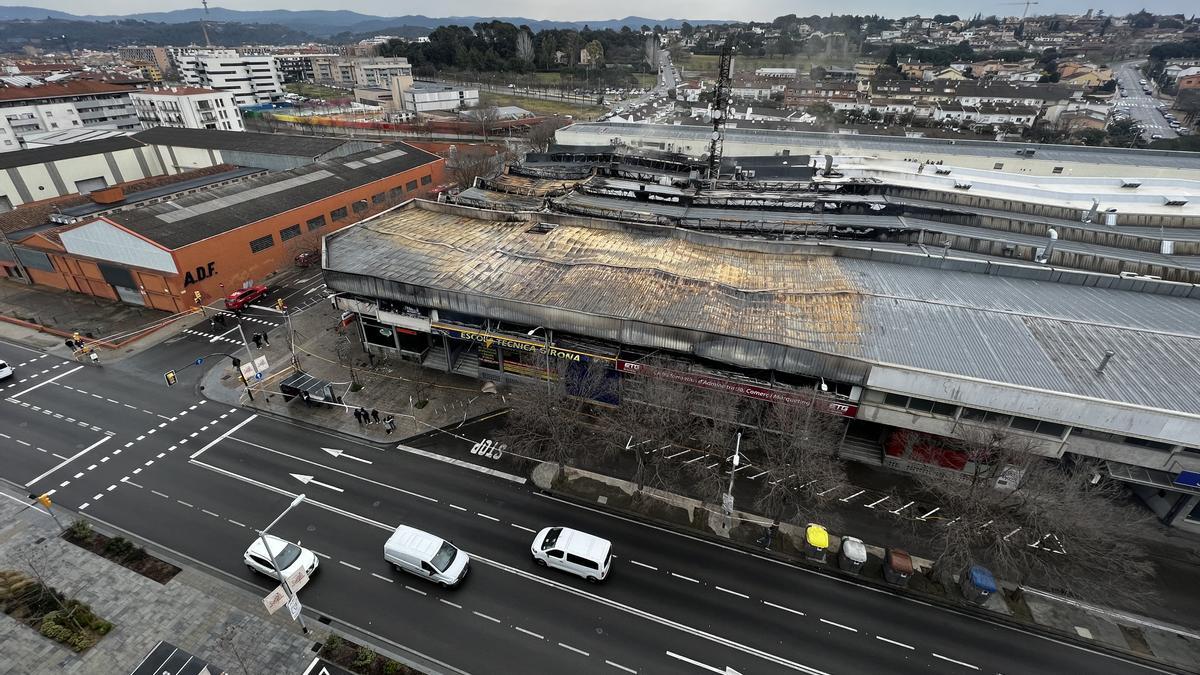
x,y
1007,326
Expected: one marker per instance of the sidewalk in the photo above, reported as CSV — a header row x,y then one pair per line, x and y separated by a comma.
x,y
1064,619
420,399
200,613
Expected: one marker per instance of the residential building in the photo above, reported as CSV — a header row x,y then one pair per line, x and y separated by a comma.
x,y
298,67
158,56
782,73
358,71
1188,82
252,79
65,105
188,108
427,96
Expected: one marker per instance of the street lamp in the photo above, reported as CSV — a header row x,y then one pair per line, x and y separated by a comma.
x,y
262,536
546,335
736,460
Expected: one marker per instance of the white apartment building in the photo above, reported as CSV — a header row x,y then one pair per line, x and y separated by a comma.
x,y
187,108
251,78
361,71
425,97
71,104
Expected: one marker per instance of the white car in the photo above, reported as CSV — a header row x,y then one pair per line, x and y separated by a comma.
x,y
6,370
579,553
289,557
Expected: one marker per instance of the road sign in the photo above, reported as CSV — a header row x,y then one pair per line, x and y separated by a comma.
x,y
200,360
247,370
258,376
294,607
260,363
297,580
275,599
1188,479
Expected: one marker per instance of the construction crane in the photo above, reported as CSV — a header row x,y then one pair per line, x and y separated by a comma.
x,y
204,23
1027,3
720,107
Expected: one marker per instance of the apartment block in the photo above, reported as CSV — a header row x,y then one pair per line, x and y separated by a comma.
x,y
187,108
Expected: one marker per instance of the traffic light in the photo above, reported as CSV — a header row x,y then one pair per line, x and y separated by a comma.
x,y
44,500
199,298
171,378
279,304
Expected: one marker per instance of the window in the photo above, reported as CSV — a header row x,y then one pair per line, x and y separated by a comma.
x,y
582,562
1143,443
1057,169
410,186
920,404
998,166
944,409
262,243
395,194
896,400
426,180
985,417
1039,426
555,554
378,199
359,206
289,232
338,214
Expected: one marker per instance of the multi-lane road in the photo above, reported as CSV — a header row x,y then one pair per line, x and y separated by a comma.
x,y
1143,108
195,477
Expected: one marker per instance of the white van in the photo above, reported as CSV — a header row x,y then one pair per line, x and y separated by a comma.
x,y
573,551
425,555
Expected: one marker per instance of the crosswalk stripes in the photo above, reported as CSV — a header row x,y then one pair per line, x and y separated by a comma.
x,y
210,336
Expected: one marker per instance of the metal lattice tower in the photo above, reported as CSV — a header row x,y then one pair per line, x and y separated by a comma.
x,y
720,108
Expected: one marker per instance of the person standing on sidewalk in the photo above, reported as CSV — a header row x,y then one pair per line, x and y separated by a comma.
x,y
257,340
389,424
266,340
374,416
358,415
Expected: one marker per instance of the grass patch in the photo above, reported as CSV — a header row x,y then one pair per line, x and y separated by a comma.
x,y
541,106
49,612
121,551
318,91
360,659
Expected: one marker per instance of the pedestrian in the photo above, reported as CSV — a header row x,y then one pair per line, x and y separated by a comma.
x,y
374,416
213,321
366,416
307,399
266,340
257,340
358,415
220,317
389,424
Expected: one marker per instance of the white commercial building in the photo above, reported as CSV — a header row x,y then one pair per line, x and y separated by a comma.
x,y
251,78
426,97
72,104
187,108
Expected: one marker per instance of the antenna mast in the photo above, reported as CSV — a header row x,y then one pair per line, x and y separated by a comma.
x,y
720,106
204,23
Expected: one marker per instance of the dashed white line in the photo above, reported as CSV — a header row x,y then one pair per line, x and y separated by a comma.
x,y
621,667
383,578
452,604
84,505
484,515
947,658
726,590
529,633
786,609
353,567
642,564
160,494
574,649
185,503
839,625
893,642
79,475
415,590
680,576
453,506
235,522
485,616
214,515
522,527
321,554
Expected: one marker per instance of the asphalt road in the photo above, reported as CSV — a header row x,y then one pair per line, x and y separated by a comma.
x,y
196,477
1142,108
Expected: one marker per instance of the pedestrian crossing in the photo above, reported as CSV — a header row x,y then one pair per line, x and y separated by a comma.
x,y
212,337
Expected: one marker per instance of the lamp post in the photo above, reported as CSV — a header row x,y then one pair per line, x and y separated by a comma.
x,y
262,536
546,336
736,460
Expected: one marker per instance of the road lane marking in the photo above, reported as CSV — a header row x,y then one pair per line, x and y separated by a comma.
x,y
529,633
642,564
452,604
455,506
160,494
235,522
839,625
877,502
84,505
383,578
415,590
680,576
222,437
893,642
786,609
698,664
621,667
353,567
484,515
44,382
574,649
961,663
519,480
485,616
726,590
522,527
214,515
69,460
185,503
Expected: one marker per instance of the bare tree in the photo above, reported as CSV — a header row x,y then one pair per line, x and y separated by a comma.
x,y
796,446
1059,524
485,118
470,162
541,135
525,46
653,417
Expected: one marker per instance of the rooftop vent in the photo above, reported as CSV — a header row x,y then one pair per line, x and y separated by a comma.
x,y
1174,201
1131,184
541,228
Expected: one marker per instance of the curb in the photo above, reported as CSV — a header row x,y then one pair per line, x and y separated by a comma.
x,y
866,582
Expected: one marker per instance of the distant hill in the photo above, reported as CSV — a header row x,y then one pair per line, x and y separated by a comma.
x,y
324,23
49,34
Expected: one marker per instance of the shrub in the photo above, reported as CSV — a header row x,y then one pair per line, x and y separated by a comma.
x,y
363,658
119,548
80,530
391,667
333,643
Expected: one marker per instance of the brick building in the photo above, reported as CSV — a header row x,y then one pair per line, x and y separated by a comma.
x,y
215,241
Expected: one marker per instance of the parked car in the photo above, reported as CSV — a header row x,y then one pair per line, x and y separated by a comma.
x,y
308,258
426,555
1155,137
289,557
579,553
239,299
6,370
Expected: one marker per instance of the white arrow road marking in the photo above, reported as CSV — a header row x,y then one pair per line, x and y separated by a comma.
x,y
309,479
340,453
723,671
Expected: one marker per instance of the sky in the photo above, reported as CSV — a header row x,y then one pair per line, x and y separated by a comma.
x,y
759,10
